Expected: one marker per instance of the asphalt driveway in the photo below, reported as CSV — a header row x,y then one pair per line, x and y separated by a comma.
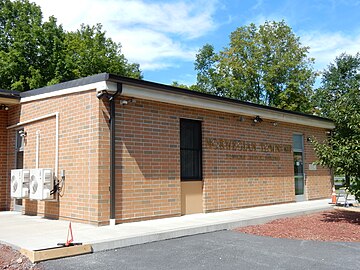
x,y
221,250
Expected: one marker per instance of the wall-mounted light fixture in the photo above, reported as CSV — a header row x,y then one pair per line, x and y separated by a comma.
x,y
4,107
102,94
239,118
123,102
309,139
22,133
126,101
257,119
275,124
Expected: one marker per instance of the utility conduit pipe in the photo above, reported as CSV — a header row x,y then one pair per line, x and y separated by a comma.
x,y
56,115
37,148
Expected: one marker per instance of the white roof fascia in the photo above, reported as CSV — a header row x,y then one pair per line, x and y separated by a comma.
x,y
98,86
222,106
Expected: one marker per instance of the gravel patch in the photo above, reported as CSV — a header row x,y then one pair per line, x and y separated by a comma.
x,y
13,260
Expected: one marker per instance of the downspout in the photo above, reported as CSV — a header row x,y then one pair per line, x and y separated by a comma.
x,y
111,97
112,152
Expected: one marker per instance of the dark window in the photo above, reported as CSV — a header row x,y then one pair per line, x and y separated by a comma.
x,y
19,154
190,149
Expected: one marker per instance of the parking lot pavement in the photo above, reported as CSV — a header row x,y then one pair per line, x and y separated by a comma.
x,y
221,250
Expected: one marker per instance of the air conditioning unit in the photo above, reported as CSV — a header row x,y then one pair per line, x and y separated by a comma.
x,y
20,183
41,184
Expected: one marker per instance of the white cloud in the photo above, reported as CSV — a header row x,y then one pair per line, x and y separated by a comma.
x,y
190,19
154,50
258,4
325,47
153,34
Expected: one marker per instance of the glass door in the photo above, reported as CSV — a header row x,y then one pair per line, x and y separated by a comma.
x,y
19,162
299,175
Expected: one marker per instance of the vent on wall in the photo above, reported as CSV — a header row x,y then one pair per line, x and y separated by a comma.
x,y
20,183
41,184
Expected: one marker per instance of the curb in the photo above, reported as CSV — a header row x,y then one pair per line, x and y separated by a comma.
x,y
217,226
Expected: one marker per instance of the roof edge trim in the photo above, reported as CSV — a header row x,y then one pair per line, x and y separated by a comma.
x,y
225,106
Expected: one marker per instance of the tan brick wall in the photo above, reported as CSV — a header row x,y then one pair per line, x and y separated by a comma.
x,y
148,167
3,161
148,159
13,117
79,153
319,182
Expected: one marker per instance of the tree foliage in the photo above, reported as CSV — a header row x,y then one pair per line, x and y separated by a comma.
x,y
339,99
265,64
34,53
89,51
340,78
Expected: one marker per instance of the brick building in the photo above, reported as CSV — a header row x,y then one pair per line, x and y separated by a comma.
x,y
165,151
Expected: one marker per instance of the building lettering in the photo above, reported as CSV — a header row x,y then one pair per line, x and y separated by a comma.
x,y
247,146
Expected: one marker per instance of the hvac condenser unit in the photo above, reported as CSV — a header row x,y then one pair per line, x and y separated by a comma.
x,y
41,184
20,183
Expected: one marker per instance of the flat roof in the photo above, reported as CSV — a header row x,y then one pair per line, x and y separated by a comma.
x,y
69,84
9,94
161,89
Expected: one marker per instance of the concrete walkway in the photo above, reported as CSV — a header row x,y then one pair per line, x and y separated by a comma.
x,y
33,233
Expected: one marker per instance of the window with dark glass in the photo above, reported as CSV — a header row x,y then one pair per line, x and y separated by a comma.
x,y
190,149
19,153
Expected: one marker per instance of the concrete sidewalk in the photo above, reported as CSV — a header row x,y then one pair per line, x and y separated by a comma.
x,y
33,233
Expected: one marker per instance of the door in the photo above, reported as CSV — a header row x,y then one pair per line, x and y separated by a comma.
x,y
299,175
19,162
191,166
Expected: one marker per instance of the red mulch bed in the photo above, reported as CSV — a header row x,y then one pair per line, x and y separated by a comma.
x,y
13,260
334,225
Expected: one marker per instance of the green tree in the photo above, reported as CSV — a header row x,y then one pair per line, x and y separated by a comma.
x,y
34,53
180,85
340,78
88,51
339,99
265,64
208,79
25,44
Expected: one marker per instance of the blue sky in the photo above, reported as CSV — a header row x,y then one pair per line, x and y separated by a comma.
x,y
164,36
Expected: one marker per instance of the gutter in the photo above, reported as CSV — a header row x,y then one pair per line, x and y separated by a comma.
x,y
220,104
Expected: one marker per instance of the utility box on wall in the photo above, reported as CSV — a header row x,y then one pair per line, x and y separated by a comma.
x,y
20,183
41,184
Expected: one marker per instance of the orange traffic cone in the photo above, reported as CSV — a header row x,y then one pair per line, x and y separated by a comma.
x,y
69,241
333,196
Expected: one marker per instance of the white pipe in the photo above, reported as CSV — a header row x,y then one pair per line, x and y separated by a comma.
x,y
56,144
37,148
56,114
33,120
